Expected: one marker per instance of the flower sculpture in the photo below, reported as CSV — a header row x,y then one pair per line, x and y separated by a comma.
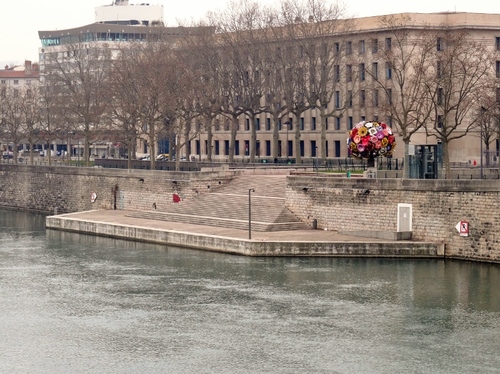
x,y
368,140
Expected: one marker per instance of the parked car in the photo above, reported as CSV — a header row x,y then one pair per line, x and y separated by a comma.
x,y
145,158
162,157
7,156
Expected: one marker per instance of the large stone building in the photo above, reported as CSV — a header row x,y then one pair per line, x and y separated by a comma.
x,y
364,47
357,100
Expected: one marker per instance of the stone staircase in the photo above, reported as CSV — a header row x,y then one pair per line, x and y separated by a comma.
x,y
228,206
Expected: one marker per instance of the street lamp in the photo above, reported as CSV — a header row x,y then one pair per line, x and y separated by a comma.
x,y
250,190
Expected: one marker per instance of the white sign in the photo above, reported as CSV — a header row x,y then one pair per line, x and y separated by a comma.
x,y
463,228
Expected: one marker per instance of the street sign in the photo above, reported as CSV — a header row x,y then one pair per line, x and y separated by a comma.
x,y
463,228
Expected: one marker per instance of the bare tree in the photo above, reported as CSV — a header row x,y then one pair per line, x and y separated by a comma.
x,y
81,77
405,63
14,107
463,68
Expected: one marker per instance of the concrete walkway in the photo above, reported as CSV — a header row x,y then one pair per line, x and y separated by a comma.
x,y
115,223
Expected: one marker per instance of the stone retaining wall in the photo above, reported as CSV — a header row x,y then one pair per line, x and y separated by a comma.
x,y
438,205
68,189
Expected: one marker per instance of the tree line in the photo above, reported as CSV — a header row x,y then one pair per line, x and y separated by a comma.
x,y
250,60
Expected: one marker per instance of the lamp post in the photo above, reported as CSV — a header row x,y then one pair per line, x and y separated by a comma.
x,y
250,190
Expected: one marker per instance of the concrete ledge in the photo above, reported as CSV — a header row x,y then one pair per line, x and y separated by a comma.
x,y
245,247
386,235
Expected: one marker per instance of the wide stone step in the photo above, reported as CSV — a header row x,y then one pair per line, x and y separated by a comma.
x,y
239,224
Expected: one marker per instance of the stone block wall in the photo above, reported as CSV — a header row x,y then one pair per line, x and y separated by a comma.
x,y
438,205
62,189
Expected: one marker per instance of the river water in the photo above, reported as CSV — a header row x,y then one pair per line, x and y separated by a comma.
x,y
72,303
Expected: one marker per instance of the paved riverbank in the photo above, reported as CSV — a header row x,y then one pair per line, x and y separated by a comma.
x,y
117,224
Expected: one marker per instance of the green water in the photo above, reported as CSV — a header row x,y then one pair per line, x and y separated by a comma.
x,y
71,303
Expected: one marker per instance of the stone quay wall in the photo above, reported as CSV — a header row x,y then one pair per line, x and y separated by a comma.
x,y
338,204
354,204
57,190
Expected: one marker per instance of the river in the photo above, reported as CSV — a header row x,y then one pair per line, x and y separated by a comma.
x,y
73,303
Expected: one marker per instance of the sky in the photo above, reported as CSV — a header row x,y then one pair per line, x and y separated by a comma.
x,y
22,19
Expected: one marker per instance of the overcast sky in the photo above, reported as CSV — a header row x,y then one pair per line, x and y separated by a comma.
x,y
22,19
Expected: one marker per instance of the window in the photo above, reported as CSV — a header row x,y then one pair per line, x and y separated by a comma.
x,y
326,123
337,123
28,82
375,70
440,121
268,148
268,124
362,98
389,121
302,123
362,71
497,43
388,44
362,118
439,69
439,44
348,48
247,124
361,47
279,124
313,123
374,45
375,98
440,96
314,148
337,48
337,148
3,81
389,96
16,93
336,73
349,73
337,99
257,124
349,123
388,70
498,69
16,81
349,99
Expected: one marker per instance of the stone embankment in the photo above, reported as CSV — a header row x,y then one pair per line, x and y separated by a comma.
x,y
335,204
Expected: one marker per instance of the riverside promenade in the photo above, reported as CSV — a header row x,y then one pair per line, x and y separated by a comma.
x,y
121,224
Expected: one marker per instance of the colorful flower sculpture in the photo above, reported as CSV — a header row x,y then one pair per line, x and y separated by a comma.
x,y
371,139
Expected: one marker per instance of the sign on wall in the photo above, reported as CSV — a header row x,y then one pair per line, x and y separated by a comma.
x,y
463,228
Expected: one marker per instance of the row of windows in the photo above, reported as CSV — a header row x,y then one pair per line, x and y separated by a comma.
x,y
221,147
288,125
362,46
91,37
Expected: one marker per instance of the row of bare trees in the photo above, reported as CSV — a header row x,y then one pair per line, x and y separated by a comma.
x,y
251,60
